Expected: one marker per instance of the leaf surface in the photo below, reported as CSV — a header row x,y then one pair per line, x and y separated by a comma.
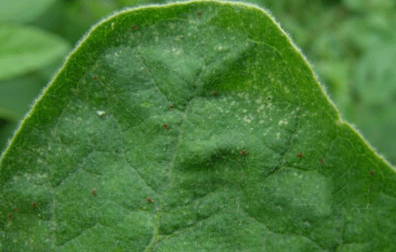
x,y
192,127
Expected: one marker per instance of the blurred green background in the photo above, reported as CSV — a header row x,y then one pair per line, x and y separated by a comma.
x,y
351,45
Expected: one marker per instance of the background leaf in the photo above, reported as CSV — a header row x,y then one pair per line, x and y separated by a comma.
x,y
25,88
24,49
375,92
23,11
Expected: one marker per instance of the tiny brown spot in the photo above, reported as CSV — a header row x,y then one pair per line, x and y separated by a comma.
x,y
134,27
372,173
93,192
171,106
165,126
300,155
243,153
321,161
94,78
149,200
9,216
199,13
16,209
34,204
215,92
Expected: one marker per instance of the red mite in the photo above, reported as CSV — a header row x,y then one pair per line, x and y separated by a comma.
x,y
215,92
243,153
300,155
134,27
94,78
16,209
171,106
34,205
372,173
321,161
93,192
199,13
165,126
9,216
149,200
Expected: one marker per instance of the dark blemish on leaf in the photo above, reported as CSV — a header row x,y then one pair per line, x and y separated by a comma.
x,y
165,126
300,155
269,98
321,161
243,153
16,209
94,78
215,92
134,27
9,216
199,13
93,192
372,173
149,200
34,204
171,106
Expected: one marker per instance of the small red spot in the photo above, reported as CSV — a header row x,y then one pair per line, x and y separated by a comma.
x,y
149,200
9,216
300,155
243,153
372,173
134,27
171,106
16,209
165,126
93,192
321,161
94,78
215,92
34,204
199,13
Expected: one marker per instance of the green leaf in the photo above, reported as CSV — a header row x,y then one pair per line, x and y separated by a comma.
x,y
251,156
23,11
375,88
16,95
23,49
6,132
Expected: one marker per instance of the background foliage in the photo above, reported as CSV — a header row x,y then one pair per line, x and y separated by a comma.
x,y
350,43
